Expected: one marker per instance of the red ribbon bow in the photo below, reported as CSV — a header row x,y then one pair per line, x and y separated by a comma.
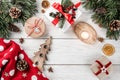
x,y
35,27
68,16
103,68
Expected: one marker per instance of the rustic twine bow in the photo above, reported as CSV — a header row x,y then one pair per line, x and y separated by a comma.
x,y
68,16
103,68
35,27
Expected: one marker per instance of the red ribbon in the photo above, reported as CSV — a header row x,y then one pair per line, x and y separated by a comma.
x,y
35,26
68,16
103,68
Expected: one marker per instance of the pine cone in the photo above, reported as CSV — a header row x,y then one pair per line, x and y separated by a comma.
x,y
22,65
13,28
14,12
101,10
115,25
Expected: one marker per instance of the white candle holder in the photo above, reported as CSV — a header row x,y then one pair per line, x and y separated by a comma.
x,y
85,32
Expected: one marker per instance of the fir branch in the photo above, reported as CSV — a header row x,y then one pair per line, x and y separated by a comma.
x,y
65,4
112,8
62,22
28,9
4,33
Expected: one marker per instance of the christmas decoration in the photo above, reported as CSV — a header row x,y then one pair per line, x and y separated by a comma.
x,y
63,15
85,32
115,25
41,55
15,11
13,28
108,49
100,39
45,3
35,27
22,65
21,40
102,67
107,15
43,11
15,64
50,70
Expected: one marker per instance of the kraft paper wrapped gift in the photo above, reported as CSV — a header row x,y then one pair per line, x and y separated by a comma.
x,y
102,67
35,27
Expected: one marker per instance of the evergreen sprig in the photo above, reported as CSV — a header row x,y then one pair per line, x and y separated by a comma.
x,y
28,9
65,4
111,13
4,33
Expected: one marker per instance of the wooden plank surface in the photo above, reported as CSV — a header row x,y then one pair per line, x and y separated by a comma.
x,y
71,51
78,72
69,57
57,33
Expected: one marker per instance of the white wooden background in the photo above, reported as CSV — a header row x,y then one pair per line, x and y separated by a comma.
x,y
69,57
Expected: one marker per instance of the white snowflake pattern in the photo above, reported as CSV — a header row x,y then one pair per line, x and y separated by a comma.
x,y
6,74
24,75
39,73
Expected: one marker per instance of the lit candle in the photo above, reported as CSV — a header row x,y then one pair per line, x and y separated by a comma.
x,y
85,35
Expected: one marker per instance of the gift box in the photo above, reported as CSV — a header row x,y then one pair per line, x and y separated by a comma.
x,y
102,67
35,27
57,14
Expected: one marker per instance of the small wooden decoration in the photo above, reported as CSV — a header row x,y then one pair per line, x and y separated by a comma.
x,y
45,3
41,55
85,32
108,49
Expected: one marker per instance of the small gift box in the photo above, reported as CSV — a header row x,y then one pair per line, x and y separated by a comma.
x,y
102,67
63,15
35,27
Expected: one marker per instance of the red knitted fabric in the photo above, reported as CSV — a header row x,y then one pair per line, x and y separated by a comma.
x,y
10,52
